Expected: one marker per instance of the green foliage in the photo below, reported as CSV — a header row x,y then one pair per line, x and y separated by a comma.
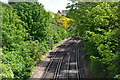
x,y
26,31
13,34
37,19
57,32
6,71
98,25
21,66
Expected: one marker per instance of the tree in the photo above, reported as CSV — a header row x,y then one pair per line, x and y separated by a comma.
x,y
37,19
97,23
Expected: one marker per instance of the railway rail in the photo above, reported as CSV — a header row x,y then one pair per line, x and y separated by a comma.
x,y
65,63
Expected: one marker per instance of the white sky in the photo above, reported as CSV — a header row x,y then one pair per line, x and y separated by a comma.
x,y
5,1
54,5
51,5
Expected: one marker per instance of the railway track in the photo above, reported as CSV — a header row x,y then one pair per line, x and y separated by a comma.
x,y
65,63
58,74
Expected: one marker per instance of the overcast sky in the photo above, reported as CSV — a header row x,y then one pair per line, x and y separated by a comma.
x,y
51,5
54,5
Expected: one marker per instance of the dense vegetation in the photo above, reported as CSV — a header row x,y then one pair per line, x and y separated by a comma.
x,y
27,30
98,25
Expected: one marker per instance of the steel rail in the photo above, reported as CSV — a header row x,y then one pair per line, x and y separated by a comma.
x,y
81,71
68,62
56,51
77,62
68,65
51,61
57,72
79,66
82,75
58,68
